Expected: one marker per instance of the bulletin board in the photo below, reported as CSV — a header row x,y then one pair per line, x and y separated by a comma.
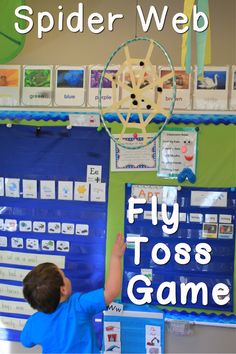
x,y
206,215
67,228
215,169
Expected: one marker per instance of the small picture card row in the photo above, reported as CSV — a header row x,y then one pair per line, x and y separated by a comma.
x,y
78,86
35,244
49,189
52,227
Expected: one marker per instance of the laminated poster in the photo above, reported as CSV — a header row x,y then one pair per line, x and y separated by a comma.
x,y
70,86
211,91
123,159
183,85
37,86
95,74
232,105
9,85
177,150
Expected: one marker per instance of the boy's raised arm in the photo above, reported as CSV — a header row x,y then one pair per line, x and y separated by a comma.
x,y
114,280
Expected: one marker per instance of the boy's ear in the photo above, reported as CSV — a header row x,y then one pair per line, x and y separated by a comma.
x,y
63,290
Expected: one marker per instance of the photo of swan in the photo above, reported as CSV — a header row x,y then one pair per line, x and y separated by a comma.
x,y
212,80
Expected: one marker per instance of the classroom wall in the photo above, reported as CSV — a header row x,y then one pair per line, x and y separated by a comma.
x,y
66,48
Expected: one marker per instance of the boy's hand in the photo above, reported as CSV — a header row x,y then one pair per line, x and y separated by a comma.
x,y
119,246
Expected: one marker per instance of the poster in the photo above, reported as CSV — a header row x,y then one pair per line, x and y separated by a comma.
x,y
123,159
177,151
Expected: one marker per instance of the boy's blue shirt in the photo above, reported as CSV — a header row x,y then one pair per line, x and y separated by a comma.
x,y
69,329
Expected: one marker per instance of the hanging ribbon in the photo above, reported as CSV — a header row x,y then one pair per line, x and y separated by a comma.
x,y
186,39
203,39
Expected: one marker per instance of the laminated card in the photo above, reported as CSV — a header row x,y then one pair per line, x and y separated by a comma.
x,y
70,86
211,90
37,86
95,74
9,85
183,84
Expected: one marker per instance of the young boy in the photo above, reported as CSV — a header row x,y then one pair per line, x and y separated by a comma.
x,y
63,323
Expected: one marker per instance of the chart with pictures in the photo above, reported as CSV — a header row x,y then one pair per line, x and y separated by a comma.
x,y
206,215
53,209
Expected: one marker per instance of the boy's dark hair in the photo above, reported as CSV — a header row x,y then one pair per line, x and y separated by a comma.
x,y
41,287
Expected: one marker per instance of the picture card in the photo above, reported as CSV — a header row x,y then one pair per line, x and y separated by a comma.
x,y
98,192
54,227
82,229
37,85
209,230
9,85
183,88
10,225
95,75
3,241
81,191
29,188
32,244
226,231
232,103
142,80
17,242
70,86
25,225
211,90
12,187
47,190
1,186
39,226
65,190
63,246
48,245
67,228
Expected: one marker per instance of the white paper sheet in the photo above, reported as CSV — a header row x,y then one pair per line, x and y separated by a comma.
x,y
30,259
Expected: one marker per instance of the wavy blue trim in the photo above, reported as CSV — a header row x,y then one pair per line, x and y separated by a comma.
x,y
110,118
199,317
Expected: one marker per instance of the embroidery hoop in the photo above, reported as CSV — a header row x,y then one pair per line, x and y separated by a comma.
x,y
136,95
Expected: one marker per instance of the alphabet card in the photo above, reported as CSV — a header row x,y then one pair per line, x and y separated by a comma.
x,y
211,90
95,76
9,85
70,86
37,85
94,173
233,89
183,85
